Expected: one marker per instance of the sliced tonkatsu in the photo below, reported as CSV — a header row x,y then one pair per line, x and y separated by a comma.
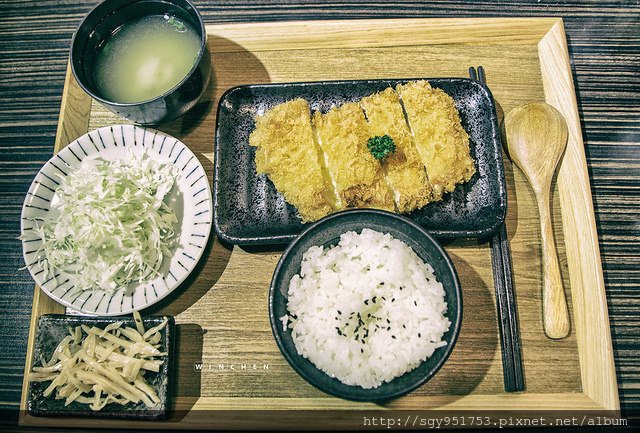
x,y
440,139
342,134
403,168
395,150
287,153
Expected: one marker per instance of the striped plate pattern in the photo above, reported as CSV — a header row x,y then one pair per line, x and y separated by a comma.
x,y
190,200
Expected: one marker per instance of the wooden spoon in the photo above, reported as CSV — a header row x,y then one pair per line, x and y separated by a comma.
x,y
536,137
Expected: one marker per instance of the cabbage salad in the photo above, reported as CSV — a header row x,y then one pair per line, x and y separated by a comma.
x,y
114,227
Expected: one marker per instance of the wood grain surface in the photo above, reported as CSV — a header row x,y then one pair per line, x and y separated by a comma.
x,y
35,38
224,306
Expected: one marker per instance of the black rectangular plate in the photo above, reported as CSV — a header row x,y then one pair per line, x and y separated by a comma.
x,y
52,328
248,210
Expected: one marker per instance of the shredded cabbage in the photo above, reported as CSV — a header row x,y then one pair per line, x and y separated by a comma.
x,y
114,227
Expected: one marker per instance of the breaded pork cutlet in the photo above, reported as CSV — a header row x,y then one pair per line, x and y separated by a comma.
x,y
287,153
343,134
439,137
403,168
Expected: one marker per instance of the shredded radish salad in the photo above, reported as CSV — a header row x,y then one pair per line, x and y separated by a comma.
x,y
114,227
97,366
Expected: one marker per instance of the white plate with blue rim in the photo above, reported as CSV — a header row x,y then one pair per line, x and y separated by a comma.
x,y
190,200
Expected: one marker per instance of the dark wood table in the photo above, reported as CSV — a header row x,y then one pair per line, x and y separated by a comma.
x,y
604,43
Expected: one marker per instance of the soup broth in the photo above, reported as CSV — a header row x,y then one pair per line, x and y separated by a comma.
x,y
145,58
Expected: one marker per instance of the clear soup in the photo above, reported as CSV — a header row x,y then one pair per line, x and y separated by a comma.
x,y
145,58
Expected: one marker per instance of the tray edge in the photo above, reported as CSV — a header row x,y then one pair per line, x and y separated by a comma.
x,y
588,292
552,31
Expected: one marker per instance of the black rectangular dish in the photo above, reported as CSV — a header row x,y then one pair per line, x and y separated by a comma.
x,y
52,328
248,210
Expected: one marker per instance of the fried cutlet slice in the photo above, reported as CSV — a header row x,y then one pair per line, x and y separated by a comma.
x,y
342,134
439,137
403,168
287,153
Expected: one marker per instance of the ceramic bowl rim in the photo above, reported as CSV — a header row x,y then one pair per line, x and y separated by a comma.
x,y
360,393
202,34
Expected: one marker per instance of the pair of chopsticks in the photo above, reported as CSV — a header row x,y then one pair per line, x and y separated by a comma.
x,y
505,295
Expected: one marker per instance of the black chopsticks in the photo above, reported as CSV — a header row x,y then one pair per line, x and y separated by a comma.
x,y
505,295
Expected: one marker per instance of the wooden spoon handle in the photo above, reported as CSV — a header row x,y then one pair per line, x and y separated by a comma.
x,y
554,302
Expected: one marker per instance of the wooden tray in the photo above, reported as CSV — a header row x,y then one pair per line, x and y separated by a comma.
x,y
222,310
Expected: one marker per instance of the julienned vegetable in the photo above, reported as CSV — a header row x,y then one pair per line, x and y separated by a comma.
x,y
113,226
381,146
97,366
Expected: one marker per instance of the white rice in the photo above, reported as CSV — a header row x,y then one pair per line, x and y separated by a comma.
x,y
366,274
